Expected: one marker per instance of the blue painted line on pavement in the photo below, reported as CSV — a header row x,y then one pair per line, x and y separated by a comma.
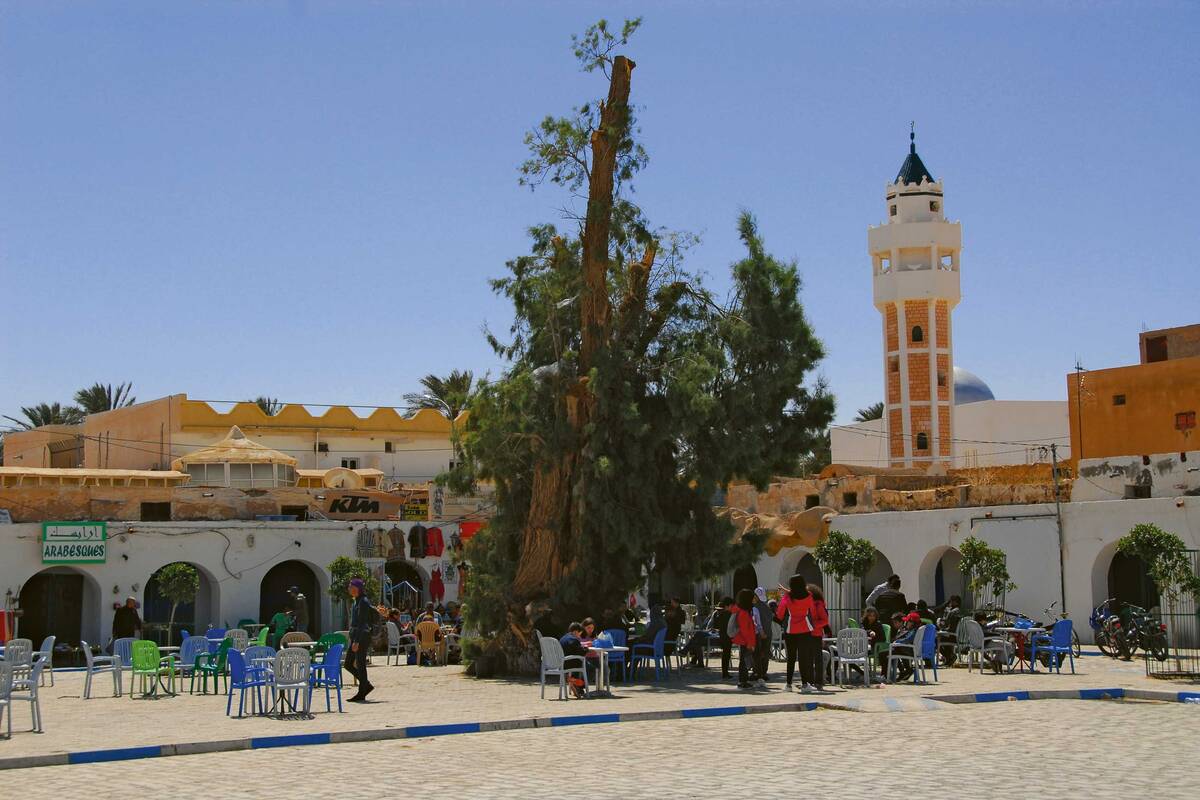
x,y
584,719
993,697
892,703
726,711
118,754
417,731
1101,694
1183,697
294,740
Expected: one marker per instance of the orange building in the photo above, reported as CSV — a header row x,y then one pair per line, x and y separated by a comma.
x,y
1143,409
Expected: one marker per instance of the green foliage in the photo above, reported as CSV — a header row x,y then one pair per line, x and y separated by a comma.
x,y
178,582
449,396
818,458
1166,559
873,411
342,569
269,405
840,554
688,391
47,414
104,397
984,567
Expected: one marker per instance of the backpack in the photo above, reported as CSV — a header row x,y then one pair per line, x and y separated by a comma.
x,y
731,627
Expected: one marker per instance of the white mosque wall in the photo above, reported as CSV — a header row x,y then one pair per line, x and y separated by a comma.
x,y
911,543
988,433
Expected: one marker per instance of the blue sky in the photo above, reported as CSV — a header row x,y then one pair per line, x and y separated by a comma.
x,y
305,199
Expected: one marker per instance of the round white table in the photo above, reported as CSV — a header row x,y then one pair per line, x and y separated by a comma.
x,y
603,685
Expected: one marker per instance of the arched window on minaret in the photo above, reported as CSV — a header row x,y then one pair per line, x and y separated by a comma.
x,y
922,441
918,335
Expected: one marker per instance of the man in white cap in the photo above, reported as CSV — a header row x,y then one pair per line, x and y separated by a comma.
x,y
763,620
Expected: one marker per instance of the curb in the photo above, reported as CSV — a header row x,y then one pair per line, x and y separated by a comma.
x,y
1071,694
380,734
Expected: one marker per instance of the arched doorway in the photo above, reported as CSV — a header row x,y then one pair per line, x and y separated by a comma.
x,y
273,592
1130,582
192,617
810,569
879,572
940,578
402,572
744,578
54,602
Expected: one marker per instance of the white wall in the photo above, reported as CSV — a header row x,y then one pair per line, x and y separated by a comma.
x,y
1166,475
914,541
984,434
232,556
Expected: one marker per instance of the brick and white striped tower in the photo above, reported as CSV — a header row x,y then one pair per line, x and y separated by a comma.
x,y
915,260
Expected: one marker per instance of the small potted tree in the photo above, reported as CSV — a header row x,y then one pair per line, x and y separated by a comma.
x,y
179,583
341,571
985,570
844,560
1167,561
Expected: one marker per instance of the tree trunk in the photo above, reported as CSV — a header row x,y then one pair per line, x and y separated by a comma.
x,y
555,514
171,623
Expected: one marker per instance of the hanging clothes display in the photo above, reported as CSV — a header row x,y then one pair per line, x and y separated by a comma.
x,y
437,589
434,543
449,573
462,581
456,541
416,541
396,542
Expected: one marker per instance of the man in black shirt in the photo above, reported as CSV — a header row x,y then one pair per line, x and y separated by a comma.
x,y
891,600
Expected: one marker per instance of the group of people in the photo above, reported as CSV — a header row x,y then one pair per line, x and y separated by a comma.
x,y
887,602
405,620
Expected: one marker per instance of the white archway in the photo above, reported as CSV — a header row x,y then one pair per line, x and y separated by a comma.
x,y
940,577
193,617
65,602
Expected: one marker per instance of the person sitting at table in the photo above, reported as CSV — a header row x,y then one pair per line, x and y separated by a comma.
x,y
904,643
675,616
658,621
875,633
589,632
428,615
454,616
572,645
924,611
280,624
439,609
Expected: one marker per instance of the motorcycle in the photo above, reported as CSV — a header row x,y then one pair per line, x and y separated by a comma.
x,y
1148,633
1102,631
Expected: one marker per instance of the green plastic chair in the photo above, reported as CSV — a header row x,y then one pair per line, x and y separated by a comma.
x,y
261,639
886,644
852,623
212,664
242,623
147,663
327,641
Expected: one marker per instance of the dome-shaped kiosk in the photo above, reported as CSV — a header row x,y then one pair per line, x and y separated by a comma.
x,y
239,463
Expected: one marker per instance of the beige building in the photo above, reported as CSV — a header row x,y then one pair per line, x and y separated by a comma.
x,y
151,435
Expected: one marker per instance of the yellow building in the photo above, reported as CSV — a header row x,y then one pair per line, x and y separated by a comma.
x,y
153,434
1144,409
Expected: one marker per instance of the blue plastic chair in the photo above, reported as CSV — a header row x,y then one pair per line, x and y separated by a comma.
x,y
929,653
328,675
123,649
192,646
619,638
657,651
214,635
183,634
242,677
1056,644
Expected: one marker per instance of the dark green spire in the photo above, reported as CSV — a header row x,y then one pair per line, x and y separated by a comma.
x,y
913,169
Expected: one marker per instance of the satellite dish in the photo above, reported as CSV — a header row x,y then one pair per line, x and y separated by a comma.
x,y
342,478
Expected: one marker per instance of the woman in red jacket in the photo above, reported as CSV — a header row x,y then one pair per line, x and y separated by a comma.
x,y
798,607
820,617
745,635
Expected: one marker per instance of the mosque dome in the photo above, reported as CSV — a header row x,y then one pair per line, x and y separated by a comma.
x,y
970,388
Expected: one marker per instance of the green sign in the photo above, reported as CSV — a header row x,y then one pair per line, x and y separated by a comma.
x,y
74,542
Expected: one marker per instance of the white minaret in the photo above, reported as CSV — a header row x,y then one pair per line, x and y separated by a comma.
x,y
914,260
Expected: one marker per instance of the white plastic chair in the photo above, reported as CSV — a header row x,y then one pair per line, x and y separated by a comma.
x,y
98,665
291,637
19,653
6,686
291,673
241,639
46,653
914,658
853,649
554,663
26,690
977,644
398,643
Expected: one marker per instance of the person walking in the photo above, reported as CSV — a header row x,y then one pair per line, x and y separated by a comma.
x,y
796,606
820,629
764,619
361,624
743,633
127,624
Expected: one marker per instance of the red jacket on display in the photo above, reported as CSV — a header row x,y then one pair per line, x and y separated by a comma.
x,y
433,542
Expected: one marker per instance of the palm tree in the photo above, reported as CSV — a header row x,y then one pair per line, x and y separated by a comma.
x,y
47,414
450,395
873,411
103,397
269,405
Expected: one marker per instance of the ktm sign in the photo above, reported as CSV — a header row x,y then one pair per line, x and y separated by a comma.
x,y
354,504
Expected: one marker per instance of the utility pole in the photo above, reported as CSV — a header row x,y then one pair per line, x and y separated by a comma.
x,y
1062,578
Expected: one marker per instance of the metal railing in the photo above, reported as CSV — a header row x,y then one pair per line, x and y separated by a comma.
x,y
1181,615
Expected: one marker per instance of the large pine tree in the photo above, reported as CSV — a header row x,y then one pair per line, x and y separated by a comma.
x,y
632,394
